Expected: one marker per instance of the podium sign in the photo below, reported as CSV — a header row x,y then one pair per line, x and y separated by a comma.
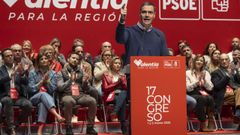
x,y
158,95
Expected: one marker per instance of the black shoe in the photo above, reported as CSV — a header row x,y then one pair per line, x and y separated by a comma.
x,y
124,129
11,131
17,124
91,131
236,119
69,130
238,129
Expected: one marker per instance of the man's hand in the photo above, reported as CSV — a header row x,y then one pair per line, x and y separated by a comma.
x,y
85,78
123,14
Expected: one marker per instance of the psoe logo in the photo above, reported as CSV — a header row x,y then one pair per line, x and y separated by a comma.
x,y
141,64
220,5
72,4
180,4
171,64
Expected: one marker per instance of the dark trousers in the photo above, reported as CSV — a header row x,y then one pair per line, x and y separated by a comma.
x,y
84,100
219,100
205,104
24,104
120,107
129,99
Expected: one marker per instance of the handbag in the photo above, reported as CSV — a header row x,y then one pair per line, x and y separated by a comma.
x,y
111,97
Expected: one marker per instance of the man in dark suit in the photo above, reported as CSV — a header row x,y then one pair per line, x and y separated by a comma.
x,y
226,86
11,77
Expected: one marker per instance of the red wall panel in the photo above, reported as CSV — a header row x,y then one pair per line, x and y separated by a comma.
x,y
197,21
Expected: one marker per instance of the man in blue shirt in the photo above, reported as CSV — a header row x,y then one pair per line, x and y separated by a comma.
x,y
141,39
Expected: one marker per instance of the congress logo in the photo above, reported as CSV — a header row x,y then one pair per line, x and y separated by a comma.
x,y
95,10
146,65
10,3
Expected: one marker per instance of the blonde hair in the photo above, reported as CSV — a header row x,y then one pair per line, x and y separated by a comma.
x,y
28,42
114,59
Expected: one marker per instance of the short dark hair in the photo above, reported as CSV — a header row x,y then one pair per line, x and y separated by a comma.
x,y
186,46
4,50
77,40
147,3
71,53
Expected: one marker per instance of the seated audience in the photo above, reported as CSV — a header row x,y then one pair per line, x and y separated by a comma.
x,y
12,91
114,83
105,46
235,44
100,68
208,51
187,52
20,58
226,86
198,85
214,61
181,43
80,43
49,51
72,85
56,44
235,64
43,83
28,51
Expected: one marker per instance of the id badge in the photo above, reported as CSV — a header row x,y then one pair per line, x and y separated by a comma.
x,y
75,90
204,93
42,89
14,94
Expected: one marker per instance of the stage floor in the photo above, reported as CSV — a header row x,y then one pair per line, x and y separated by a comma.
x,y
113,129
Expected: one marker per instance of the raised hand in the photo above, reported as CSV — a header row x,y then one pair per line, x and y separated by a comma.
x,y
123,12
85,78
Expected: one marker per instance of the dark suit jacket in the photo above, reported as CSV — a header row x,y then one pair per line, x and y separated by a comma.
x,y
20,83
220,80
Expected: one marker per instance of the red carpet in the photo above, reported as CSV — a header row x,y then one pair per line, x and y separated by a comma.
x,y
216,132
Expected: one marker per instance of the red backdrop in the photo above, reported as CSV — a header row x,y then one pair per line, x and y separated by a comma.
x,y
197,21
